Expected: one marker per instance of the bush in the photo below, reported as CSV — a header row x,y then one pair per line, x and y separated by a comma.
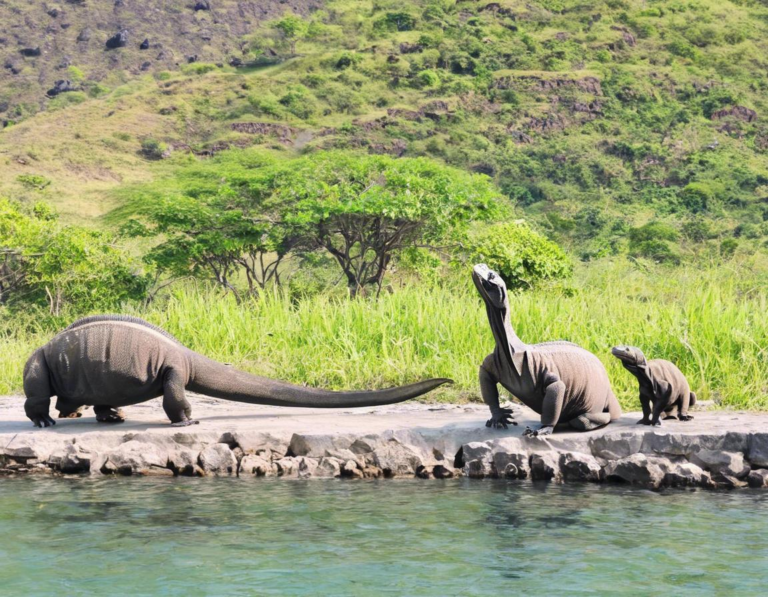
x,y
152,149
522,257
65,267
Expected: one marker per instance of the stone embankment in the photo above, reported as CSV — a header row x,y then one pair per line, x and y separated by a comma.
x,y
716,450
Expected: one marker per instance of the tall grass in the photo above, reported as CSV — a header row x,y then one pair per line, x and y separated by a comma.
x,y
711,323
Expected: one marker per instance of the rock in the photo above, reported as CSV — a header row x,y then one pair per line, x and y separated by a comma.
x,y
144,45
236,62
440,471
185,461
13,67
254,441
145,65
351,469
758,478
757,451
328,467
202,5
84,35
287,467
615,446
307,467
737,112
476,457
54,12
636,469
72,461
192,58
730,464
685,474
218,459
118,40
317,446
576,466
30,52
545,466
135,458
61,86
257,466
395,459
372,472
512,465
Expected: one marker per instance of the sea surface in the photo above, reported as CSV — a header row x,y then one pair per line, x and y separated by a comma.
x,y
141,536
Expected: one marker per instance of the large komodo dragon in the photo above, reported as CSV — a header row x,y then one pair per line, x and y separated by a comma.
x,y
110,361
561,381
662,385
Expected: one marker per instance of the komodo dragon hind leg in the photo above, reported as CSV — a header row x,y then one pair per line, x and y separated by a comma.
x,y
69,410
108,414
590,421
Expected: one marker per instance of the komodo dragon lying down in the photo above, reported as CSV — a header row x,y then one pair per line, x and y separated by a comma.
x,y
561,381
661,384
110,361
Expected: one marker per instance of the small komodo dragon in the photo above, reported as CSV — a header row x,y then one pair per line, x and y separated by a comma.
x,y
110,361
662,385
561,381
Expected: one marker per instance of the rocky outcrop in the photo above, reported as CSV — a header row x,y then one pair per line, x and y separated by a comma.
x,y
737,113
720,452
62,86
118,40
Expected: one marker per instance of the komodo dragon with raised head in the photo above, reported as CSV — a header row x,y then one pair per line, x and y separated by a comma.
x,y
110,361
561,381
662,385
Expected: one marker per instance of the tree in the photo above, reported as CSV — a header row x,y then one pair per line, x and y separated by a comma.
x,y
293,29
364,210
42,261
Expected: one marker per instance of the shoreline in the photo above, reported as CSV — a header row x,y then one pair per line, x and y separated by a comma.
x,y
718,449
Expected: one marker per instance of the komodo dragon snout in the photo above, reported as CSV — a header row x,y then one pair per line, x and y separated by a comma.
x,y
630,355
490,285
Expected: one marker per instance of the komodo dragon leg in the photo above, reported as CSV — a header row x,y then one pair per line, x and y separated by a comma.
x,y
685,402
69,409
671,412
175,404
500,417
590,421
108,414
550,409
37,388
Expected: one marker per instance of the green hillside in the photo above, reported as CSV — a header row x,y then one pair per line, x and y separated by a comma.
x,y
621,126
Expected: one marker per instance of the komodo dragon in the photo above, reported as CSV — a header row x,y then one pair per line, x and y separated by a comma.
x,y
561,381
110,361
661,384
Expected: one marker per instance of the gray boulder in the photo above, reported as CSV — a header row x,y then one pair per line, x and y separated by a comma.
x,y
576,466
256,465
135,458
758,478
728,464
218,460
396,460
636,469
545,466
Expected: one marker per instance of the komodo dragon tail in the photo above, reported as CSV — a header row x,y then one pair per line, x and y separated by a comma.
x,y
221,381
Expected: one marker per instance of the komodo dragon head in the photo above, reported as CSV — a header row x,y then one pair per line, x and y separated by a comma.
x,y
492,288
631,357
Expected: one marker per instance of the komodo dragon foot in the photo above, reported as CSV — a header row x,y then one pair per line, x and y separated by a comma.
x,y
42,420
184,422
644,421
109,414
501,419
685,417
541,431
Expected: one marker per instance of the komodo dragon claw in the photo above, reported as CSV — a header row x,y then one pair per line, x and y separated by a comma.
x,y
42,421
185,423
501,419
541,431
685,417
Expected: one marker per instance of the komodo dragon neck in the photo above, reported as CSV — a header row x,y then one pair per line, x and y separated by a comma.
x,y
222,381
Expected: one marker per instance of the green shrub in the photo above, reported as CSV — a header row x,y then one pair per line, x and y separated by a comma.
x,y
521,256
152,149
33,181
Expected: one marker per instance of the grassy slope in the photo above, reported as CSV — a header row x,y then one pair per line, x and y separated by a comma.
x,y
587,179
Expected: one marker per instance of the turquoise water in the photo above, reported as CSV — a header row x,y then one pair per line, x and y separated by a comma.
x,y
410,537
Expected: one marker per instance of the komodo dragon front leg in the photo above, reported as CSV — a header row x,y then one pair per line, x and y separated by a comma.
x,y
489,388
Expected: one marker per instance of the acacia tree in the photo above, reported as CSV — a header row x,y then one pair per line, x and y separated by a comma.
x,y
292,28
363,210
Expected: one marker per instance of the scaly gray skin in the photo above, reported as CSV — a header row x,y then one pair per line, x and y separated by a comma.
x,y
559,380
110,361
663,387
